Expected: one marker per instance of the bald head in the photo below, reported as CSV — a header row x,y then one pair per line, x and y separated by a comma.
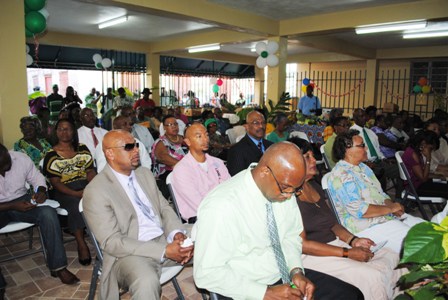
x,y
256,124
281,169
196,138
119,157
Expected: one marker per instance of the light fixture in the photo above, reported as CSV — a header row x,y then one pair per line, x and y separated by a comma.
x,y
425,34
113,22
394,26
204,48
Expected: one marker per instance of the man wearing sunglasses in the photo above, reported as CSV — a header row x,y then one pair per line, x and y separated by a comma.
x,y
123,123
248,243
135,226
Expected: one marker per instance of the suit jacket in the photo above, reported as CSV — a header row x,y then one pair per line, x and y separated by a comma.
x,y
243,153
112,218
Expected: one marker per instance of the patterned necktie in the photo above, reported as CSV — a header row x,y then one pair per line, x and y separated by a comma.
x,y
260,146
95,140
147,211
369,144
275,242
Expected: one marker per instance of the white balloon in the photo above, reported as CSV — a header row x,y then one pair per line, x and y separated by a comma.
x,y
272,47
27,48
261,62
29,60
272,60
260,47
106,62
44,13
97,58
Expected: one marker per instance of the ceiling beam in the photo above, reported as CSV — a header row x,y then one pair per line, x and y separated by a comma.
x,y
320,57
216,56
348,19
335,45
202,11
416,52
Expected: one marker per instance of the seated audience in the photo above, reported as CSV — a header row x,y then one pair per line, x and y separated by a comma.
x,y
30,143
280,133
397,130
122,123
382,168
16,205
138,131
334,113
340,125
417,158
439,161
137,229
251,147
89,134
197,173
247,243
332,249
408,126
388,142
370,116
69,167
43,115
363,208
223,123
219,144
167,151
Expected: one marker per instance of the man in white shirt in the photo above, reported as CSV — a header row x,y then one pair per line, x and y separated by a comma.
x,y
88,133
138,131
135,226
122,123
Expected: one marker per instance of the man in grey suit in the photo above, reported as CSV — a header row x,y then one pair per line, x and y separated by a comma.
x,y
135,226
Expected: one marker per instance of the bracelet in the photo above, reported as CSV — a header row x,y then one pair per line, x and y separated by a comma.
x,y
352,239
295,271
344,252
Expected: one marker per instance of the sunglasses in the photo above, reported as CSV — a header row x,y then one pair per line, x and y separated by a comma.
x,y
127,147
296,191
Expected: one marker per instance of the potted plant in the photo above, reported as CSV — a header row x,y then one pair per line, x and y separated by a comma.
x,y
426,256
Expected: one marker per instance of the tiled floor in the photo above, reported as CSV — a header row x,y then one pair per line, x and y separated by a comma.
x,y
28,277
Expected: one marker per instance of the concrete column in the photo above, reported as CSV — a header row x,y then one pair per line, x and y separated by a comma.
x,y
152,75
13,81
259,86
372,72
276,81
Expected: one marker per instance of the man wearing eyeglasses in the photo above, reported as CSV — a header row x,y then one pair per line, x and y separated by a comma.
x,y
248,243
251,147
89,134
136,227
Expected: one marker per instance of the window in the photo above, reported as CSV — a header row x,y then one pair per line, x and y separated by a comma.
x,y
435,71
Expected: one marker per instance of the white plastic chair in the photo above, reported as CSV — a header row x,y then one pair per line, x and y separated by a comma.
x,y
168,273
235,132
299,134
410,193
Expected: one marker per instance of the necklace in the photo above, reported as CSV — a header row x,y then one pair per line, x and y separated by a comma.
x,y
317,205
172,141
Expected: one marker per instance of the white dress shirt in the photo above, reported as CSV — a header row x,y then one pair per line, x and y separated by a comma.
x,y
142,133
85,136
373,138
100,158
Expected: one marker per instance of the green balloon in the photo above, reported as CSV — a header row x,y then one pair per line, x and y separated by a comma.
x,y
28,33
264,54
99,65
35,4
215,88
35,22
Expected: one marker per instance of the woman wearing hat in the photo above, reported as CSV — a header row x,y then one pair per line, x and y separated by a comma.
x,y
218,144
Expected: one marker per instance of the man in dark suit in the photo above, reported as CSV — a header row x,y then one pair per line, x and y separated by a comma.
x,y
135,226
251,147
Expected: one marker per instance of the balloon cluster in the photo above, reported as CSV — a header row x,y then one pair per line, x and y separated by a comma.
x,y
216,86
267,54
307,82
36,16
422,86
29,58
101,62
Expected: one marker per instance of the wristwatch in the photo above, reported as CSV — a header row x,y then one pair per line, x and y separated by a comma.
x,y
295,271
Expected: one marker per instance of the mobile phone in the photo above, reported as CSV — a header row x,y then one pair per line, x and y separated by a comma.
x,y
378,246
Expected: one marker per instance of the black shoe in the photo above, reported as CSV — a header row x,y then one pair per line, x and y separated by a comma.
x,y
85,262
2,294
65,276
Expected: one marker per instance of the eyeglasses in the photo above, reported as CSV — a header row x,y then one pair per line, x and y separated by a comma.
x,y
171,124
257,123
212,125
296,191
363,145
127,147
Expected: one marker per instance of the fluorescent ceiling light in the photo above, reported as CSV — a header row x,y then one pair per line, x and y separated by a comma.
x,y
113,22
395,26
204,48
428,34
